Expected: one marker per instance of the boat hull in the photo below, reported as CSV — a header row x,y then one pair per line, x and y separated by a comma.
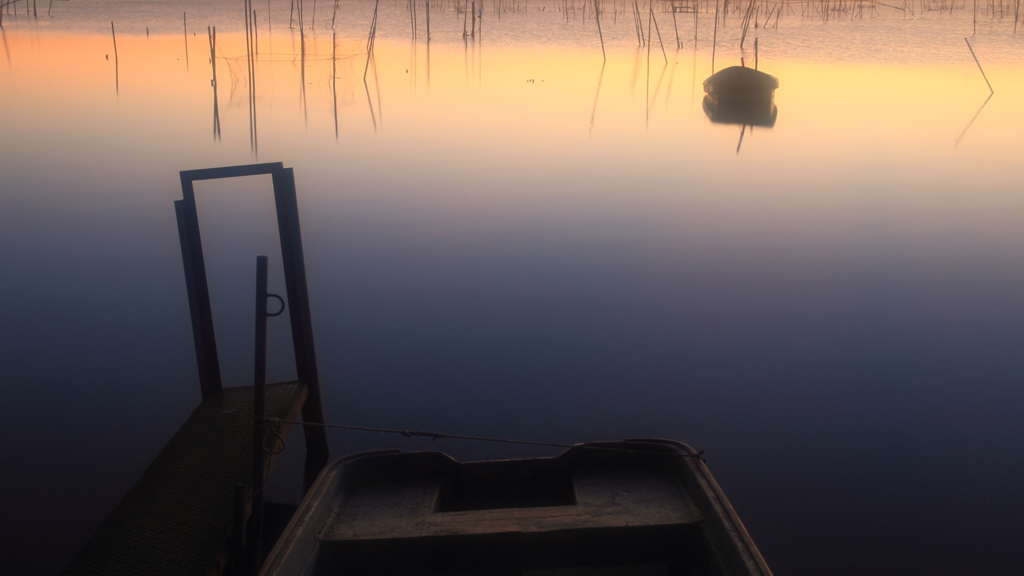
x,y
644,507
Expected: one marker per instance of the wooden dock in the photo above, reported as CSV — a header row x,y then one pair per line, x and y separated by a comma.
x,y
177,519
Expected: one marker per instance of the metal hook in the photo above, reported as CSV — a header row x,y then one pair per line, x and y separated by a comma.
x,y
279,299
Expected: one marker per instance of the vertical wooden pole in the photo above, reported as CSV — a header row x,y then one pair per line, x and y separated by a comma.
x,y
238,558
317,450
254,547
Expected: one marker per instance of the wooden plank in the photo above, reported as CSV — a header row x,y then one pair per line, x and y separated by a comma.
x,y
177,518
606,499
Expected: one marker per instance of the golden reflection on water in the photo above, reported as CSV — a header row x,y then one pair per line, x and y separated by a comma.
x,y
496,94
524,114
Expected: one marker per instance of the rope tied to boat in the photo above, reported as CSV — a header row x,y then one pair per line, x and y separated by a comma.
x,y
277,423
432,435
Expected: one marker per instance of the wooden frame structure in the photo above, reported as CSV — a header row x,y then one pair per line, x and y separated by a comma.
x,y
295,283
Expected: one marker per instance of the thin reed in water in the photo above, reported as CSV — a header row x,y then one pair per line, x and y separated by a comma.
x,y
983,75
184,27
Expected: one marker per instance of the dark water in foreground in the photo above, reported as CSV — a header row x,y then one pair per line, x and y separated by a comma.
x,y
506,238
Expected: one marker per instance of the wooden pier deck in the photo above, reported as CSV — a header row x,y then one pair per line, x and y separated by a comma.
x,y
178,517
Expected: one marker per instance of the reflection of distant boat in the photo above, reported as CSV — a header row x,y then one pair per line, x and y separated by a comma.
x,y
740,95
747,114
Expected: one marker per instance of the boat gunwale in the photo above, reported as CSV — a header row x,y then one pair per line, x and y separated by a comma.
x,y
299,549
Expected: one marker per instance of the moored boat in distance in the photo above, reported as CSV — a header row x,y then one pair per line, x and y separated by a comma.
x,y
636,508
741,95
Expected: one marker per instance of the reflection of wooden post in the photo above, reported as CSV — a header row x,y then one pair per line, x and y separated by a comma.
x,y
254,550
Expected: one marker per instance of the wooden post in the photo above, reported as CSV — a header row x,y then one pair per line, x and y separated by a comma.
x,y
254,552
301,320
238,558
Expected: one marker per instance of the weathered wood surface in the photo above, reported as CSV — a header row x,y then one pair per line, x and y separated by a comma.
x,y
637,508
177,518
604,499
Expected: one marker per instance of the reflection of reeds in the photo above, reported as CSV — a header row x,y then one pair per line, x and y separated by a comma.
x,y
212,33
184,28
638,21
696,19
428,44
334,79
369,44
250,57
654,19
745,24
973,118
675,27
117,84
714,40
7,51
369,102
647,92
597,94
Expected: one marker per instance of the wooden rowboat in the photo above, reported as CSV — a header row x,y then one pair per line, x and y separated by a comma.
x,y
740,95
638,507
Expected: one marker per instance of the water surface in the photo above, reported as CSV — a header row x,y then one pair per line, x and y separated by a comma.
x,y
509,235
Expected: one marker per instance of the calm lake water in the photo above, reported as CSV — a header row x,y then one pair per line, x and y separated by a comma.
x,y
508,235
